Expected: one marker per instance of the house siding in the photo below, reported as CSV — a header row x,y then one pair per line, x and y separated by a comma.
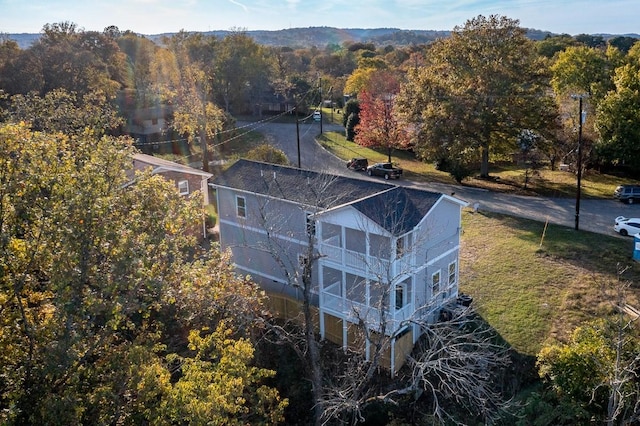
x,y
440,233
363,252
253,250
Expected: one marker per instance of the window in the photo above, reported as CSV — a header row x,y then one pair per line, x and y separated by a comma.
x,y
435,283
399,247
404,245
183,187
452,273
311,225
241,207
400,296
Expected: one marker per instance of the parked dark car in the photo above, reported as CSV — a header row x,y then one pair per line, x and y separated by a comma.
x,y
387,170
358,164
627,193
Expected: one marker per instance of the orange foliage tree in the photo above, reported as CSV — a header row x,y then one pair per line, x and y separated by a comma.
x,y
378,127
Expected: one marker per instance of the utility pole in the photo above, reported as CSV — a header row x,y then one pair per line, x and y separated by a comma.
x,y
578,186
320,91
298,133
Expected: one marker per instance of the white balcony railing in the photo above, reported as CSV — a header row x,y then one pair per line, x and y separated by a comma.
x,y
333,303
360,261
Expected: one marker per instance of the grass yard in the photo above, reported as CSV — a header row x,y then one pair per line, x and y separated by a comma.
x,y
534,290
506,178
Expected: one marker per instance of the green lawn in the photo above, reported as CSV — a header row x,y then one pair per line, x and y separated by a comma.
x,y
531,289
507,178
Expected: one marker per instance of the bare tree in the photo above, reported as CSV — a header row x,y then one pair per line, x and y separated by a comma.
x,y
624,396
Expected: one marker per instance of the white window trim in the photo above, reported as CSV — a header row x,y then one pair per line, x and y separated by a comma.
x,y
183,187
239,208
403,288
435,293
455,273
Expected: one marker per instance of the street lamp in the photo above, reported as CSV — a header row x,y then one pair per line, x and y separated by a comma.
x,y
581,117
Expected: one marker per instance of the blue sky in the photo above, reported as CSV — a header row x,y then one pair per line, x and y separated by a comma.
x,y
158,16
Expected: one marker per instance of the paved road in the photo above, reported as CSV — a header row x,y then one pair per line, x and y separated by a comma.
x,y
312,156
595,215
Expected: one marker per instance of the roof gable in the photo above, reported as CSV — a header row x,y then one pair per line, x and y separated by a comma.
x,y
407,206
399,209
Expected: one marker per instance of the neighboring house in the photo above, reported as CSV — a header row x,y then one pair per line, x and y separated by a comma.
x,y
186,179
147,125
381,252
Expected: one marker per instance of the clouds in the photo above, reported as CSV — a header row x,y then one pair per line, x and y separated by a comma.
x,y
239,4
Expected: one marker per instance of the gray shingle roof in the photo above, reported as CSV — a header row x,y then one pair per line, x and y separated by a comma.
x,y
326,191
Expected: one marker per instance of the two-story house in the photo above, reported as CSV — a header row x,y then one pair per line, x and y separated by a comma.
x,y
381,255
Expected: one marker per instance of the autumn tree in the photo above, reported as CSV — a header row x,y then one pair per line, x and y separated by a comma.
x,y
195,113
594,371
359,79
18,71
477,91
267,154
78,61
581,70
141,54
65,112
110,312
378,126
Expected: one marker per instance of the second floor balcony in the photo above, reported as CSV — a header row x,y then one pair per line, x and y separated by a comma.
x,y
377,264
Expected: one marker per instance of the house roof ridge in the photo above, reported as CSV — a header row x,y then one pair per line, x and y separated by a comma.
x,y
167,165
363,198
284,182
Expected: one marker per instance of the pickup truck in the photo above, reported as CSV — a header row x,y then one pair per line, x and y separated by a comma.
x,y
387,170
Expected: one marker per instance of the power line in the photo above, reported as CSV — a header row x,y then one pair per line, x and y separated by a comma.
x,y
251,126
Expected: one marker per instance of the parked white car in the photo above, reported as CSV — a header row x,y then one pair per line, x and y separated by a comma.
x,y
627,226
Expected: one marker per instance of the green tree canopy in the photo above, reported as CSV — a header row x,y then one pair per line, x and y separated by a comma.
x,y
65,112
551,45
241,73
618,116
595,370
268,154
477,91
581,70
110,315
